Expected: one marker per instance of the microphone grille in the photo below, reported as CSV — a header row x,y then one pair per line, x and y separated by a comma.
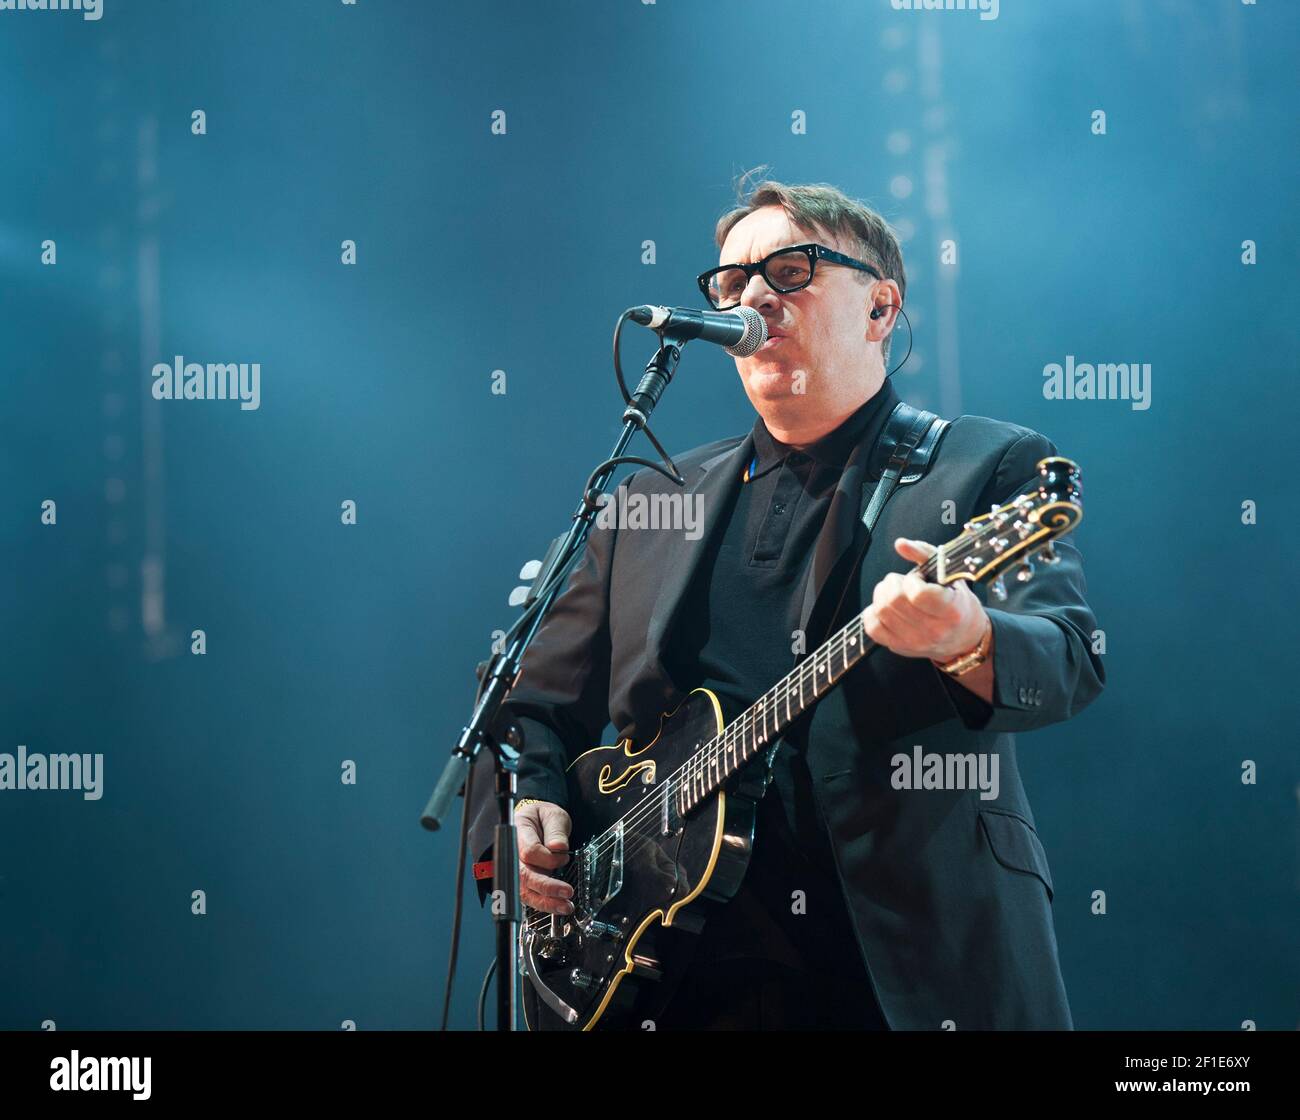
x,y
755,333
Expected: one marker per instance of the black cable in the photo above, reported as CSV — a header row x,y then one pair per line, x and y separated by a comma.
x,y
909,340
460,897
483,991
618,359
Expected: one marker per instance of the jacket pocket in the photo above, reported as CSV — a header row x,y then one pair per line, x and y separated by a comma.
x,y
1015,844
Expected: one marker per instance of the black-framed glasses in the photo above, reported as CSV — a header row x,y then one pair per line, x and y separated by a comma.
x,y
787,270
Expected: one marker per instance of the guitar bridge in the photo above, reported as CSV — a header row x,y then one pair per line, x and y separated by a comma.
x,y
602,868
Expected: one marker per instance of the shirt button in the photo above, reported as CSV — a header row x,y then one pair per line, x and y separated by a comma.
x,y
778,507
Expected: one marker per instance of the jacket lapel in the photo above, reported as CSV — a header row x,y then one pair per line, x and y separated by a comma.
x,y
716,480
842,537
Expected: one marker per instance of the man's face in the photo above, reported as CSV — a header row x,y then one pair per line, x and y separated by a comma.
x,y
817,360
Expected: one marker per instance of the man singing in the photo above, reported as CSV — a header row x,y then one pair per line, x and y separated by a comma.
x,y
869,903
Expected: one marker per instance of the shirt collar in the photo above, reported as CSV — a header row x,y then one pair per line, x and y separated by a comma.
x,y
835,447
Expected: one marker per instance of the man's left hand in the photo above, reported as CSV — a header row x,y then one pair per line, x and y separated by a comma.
x,y
915,618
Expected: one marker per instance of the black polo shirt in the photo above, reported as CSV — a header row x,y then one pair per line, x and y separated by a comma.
x,y
736,637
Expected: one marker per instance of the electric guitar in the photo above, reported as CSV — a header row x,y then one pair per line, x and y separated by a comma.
x,y
663,831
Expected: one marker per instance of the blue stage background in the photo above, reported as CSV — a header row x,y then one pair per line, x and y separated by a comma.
x,y
626,122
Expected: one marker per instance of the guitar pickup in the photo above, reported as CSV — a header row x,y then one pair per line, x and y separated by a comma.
x,y
669,819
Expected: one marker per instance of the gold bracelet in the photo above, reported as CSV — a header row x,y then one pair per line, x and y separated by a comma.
x,y
972,659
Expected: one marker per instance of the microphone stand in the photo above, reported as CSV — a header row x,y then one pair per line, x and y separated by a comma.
x,y
489,725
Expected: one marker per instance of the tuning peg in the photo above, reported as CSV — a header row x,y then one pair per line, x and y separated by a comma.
x,y
999,589
1024,571
1049,555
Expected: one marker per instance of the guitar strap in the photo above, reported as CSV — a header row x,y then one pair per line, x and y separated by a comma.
x,y
902,455
910,439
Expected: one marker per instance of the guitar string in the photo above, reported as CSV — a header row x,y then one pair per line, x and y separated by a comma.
x,y
702,763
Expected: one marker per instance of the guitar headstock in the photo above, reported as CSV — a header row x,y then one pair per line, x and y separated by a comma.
x,y
1010,536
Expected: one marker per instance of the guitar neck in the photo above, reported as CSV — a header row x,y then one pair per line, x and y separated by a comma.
x,y
1010,533
795,693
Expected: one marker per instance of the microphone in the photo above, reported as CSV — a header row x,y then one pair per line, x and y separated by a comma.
x,y
742,330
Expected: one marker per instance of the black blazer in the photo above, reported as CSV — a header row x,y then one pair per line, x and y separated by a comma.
x,y
950,895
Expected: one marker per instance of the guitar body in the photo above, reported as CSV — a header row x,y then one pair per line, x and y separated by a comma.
x,y
641,895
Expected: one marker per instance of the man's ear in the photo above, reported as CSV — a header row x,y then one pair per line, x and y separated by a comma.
x,y
876,309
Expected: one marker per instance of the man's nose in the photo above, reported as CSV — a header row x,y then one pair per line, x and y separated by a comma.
x,y
758,295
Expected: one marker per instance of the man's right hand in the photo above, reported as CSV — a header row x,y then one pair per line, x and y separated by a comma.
x,y
543,829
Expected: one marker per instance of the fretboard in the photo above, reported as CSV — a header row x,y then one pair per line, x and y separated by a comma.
x,y
770,715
